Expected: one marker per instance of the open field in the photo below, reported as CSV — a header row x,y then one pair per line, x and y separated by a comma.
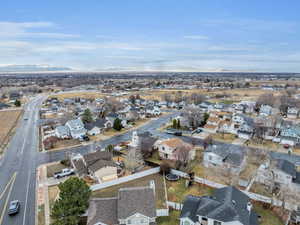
x,y
236,94
88,95
8,121
141,182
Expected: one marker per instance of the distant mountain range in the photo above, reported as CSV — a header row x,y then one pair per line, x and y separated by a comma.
x,y
32,68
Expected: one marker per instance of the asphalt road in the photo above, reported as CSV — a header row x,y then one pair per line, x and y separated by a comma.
x,y
17,169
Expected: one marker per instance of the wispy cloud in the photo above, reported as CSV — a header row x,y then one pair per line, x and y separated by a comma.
x,y
196,37
29,30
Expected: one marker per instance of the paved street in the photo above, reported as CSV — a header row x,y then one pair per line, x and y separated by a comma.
x,y
17,169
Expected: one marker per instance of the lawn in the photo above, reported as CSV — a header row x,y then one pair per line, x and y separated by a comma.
x,y
172,219
249,171
8,121
223,137
141,182
41,215
177,191
268,217
260,189
53,192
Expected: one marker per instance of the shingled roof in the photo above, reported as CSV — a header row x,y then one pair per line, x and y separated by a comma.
x,y
226,205
128,202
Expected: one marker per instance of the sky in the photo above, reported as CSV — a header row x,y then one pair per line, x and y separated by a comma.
x,y
149,35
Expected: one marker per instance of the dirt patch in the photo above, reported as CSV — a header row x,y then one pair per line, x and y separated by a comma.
x,y
8,122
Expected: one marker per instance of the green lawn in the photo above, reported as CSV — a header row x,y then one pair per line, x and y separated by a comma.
x,y
268,217
177,191
172,219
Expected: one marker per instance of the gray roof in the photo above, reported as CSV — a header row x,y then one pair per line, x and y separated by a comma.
x,y
227,204
75,123
100,123
63,130
286,166
102,210
232,154
128,202
136,200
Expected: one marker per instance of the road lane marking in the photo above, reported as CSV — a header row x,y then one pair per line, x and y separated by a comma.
x,y
25,206
7,198
6,186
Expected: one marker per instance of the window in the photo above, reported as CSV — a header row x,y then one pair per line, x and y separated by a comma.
x,y
217,223
129,222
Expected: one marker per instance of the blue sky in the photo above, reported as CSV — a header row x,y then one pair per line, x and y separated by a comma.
x,y
144,35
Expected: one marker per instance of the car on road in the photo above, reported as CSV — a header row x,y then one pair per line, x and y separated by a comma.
x,y
14,207
25,118
174,132
64,173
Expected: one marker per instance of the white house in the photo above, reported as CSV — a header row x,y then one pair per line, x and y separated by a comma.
x,y
76,128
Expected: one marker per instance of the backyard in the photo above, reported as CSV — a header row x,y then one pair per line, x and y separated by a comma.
x,y
177,190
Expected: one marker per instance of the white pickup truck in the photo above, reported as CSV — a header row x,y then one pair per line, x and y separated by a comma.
x,y
64,173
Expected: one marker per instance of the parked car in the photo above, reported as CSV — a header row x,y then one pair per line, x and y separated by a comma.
x,y
174,132
14,207
64,173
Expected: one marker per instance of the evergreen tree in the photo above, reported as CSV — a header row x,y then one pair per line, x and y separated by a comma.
x,y
174,124
87,116
178,124
72,203
17,103
117,124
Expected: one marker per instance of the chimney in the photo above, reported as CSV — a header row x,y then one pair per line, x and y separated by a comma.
x,y
249,206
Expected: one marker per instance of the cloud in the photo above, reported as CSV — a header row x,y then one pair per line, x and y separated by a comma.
x,y
196,37
25,30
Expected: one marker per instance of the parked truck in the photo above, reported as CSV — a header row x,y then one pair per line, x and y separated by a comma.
x,y
64,173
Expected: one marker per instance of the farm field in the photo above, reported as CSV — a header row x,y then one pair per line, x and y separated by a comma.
x,y
8,121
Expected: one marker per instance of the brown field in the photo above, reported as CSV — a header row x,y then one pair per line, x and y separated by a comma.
x,y
89,95
8,121
237,94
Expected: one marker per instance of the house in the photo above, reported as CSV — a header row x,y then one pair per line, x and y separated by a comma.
x,y
111,117
290,135
265,110
97,126
227,206
212,124
281,172
133,205
98,164
225,156
175,149
153,111
292,112
76,128
62,132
